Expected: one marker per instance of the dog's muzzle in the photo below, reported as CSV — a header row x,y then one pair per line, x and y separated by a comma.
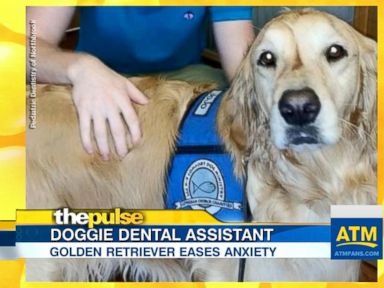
x,y
299,109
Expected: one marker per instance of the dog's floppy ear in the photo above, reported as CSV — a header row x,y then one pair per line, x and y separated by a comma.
x,y
241,117
367,98
366,106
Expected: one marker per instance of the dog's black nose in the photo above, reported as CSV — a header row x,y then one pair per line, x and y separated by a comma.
x,y
299,107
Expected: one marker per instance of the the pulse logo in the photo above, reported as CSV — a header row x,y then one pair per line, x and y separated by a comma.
x,y
357,235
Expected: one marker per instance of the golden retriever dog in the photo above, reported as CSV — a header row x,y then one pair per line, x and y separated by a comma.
x,y
299,120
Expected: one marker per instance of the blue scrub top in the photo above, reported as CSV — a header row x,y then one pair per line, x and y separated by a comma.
x,y
150,39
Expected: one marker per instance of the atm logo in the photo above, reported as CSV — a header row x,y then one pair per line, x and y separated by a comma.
x,y
356,238
357,235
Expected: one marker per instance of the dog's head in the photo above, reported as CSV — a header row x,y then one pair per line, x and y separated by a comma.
x,y
307,77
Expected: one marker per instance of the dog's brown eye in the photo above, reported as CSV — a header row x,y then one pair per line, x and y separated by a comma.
x,y
335,52
267,59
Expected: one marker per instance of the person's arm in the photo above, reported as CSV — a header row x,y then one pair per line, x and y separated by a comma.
x,y
100,94
233,39
54,65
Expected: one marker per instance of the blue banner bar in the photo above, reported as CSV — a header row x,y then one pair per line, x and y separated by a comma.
x,y
180,233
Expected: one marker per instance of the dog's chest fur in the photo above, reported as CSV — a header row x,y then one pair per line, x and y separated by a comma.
x,y
301,187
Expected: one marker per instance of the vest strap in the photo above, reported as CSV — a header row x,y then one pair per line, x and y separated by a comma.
x,y
201,172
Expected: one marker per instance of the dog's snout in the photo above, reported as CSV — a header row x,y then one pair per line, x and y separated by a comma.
x,y
299,107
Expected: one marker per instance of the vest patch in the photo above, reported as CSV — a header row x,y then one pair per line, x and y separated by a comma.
x,y
202,185
204,106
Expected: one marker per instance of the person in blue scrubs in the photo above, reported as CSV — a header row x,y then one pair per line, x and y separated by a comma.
x,y
129,40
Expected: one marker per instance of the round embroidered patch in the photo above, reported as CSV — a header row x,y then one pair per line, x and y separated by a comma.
x,y
203,186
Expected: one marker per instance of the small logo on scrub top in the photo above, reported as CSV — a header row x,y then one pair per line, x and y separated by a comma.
x,y
189,15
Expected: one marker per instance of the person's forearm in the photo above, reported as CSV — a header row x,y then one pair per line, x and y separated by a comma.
x,y
58,66
233,39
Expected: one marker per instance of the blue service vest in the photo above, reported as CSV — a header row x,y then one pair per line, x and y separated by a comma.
x,y
201,172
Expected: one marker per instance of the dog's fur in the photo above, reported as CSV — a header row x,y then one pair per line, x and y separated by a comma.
x,y
286,182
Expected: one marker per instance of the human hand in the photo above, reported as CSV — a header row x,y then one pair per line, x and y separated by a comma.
x,y
103,96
